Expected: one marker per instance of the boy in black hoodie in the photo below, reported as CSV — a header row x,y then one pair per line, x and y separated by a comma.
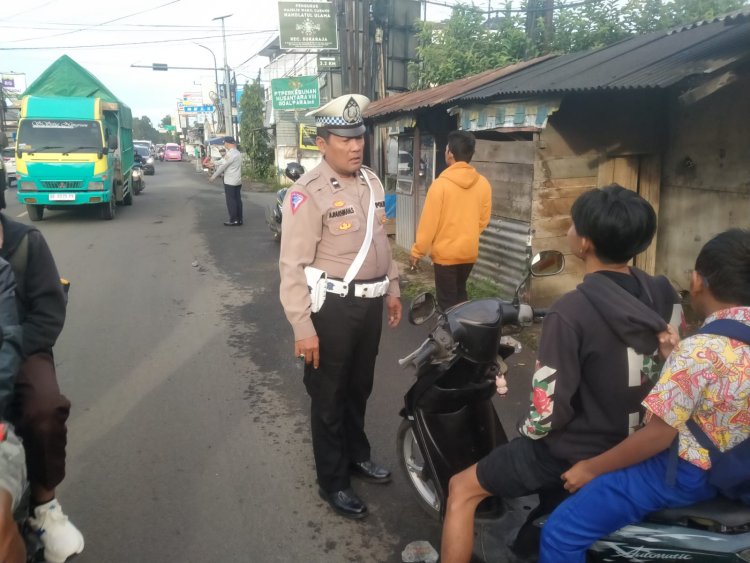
x,y
596,362
39,410
704,390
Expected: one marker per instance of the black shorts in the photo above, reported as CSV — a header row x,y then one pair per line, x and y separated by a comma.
x,y
519,468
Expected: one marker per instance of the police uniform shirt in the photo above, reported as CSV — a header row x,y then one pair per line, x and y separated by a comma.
x,y
324,226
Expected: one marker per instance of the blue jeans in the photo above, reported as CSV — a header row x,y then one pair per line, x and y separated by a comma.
x,y
616,499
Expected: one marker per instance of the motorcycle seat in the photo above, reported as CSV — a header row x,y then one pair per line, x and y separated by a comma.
x,y
722,511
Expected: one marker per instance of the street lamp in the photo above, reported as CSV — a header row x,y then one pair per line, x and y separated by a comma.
x,y
228,130
216,81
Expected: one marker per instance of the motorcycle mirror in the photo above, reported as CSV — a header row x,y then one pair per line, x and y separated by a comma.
x,y
547,263
422,308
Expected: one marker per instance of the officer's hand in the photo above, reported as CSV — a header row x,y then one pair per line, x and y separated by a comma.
x,y
210,180
309,349
394,310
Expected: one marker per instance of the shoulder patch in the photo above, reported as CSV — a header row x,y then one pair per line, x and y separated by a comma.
x,y
296,199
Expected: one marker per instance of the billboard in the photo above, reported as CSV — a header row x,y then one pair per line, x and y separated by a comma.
x,y
307,134
295,92
307,25
13,84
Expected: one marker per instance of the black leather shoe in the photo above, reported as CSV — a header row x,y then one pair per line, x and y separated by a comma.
x,y
345,502
232,223
370,471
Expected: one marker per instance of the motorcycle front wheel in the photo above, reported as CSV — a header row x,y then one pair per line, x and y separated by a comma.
x,y
414,466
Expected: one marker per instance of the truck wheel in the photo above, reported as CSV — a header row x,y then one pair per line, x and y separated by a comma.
x,y
107,210
36,212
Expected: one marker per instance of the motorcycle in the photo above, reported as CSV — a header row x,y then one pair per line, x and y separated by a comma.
x,y
137,179
449,423
293,171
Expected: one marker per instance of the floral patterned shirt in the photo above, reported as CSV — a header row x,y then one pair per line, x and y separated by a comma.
x,y
706,377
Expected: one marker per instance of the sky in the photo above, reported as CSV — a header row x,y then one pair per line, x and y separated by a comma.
x,y
107,38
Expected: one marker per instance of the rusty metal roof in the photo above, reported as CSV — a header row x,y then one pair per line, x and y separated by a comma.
x,y
411,101
656,60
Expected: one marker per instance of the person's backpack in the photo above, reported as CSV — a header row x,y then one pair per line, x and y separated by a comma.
x,y
730,470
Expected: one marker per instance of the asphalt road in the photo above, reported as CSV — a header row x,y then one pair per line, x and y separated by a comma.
x,y
189,438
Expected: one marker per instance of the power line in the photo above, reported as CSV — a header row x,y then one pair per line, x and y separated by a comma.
x,y
27,10
97,24
131,42
512,10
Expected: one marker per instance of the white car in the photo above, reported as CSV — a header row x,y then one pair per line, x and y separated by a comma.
x,y
9,163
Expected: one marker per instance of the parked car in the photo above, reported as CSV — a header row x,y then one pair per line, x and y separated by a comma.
x,y
9,163
172,152
146,159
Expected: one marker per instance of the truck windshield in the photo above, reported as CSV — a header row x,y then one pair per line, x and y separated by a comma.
x,y
59,135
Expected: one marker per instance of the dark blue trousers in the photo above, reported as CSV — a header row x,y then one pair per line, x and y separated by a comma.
x,y
617,499
233,196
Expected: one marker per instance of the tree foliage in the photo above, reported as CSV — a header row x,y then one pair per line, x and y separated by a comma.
x,y
469,42
144,129
256,141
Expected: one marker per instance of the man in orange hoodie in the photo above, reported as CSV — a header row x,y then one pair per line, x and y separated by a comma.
x,y
456,211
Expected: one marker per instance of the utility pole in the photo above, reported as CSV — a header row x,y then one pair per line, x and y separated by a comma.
x,y
227,99
216,81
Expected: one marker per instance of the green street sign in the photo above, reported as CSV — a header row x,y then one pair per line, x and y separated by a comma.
x,y
307,25
169,127
295,92
326,62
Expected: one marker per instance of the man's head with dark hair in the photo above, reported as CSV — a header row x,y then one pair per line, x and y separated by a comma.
x,y
723,268
618,222
461,145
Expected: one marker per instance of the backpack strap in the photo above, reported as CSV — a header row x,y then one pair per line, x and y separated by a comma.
x,y
20,258
730,328
701,437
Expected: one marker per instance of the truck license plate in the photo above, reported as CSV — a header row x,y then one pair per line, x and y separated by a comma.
x,y
62,197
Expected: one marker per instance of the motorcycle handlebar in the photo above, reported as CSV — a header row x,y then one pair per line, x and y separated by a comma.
x,y
421,355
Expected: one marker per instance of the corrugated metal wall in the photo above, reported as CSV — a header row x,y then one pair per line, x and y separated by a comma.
x,y
406,228
504,253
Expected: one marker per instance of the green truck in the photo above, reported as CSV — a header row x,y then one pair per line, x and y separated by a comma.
x,y
74,144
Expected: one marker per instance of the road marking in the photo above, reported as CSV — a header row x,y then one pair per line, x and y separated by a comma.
x,y
22,214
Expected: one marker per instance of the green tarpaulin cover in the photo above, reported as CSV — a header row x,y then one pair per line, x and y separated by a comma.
x,y
67,78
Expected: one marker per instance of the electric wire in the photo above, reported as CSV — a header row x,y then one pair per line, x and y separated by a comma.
x,y
96,24
130,43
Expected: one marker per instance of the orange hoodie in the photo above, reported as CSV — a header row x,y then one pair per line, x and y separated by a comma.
x,y
456,210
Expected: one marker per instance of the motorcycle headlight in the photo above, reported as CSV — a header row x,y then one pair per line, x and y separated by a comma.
x,y
27,186
136,173
96,186
150,160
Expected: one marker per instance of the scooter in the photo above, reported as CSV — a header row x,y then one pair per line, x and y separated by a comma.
x,y
293,171
450,423
137,178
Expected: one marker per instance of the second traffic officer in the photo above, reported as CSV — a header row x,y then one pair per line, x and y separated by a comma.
x,y
336,269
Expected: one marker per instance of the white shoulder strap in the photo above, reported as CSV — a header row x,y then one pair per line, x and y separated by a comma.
x,y
360,258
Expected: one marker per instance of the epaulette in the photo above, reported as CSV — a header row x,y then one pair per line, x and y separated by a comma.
x,y
308,177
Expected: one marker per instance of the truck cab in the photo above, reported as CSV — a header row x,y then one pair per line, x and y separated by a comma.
x,y
72,151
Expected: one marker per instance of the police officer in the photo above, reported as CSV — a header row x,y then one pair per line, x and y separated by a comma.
x,y
326,227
